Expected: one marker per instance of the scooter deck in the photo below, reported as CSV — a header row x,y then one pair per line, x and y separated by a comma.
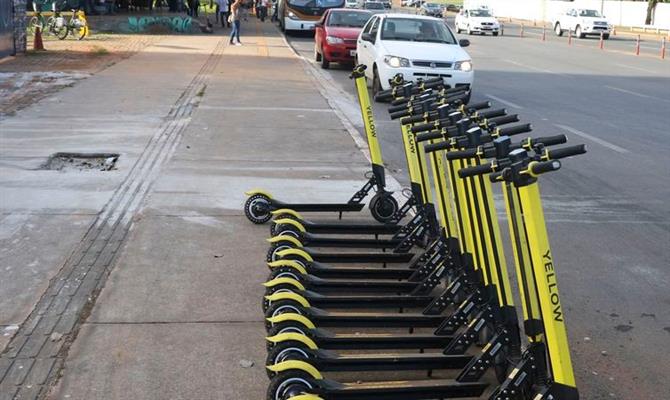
x,y
326,271
353,301
373,320
325,360
374,257
350,228
405,390
359,285
315,240
377,341
318,207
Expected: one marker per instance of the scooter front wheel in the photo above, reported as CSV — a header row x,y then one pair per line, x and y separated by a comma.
x,y
383,207
276,248
289,384
257,209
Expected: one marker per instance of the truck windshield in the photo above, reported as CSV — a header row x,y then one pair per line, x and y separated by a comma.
x,y
589,13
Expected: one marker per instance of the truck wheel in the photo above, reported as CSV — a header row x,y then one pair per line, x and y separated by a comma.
x,y
558,30
578,32
606,36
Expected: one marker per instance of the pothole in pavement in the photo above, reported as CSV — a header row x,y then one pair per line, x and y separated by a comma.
x,y
81,162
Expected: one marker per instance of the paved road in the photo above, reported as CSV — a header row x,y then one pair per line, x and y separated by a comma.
x,y
608,212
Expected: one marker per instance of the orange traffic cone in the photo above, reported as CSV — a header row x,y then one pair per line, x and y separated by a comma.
x,y
37,43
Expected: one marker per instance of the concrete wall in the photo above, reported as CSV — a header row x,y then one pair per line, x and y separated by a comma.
x,y
20,26
623,13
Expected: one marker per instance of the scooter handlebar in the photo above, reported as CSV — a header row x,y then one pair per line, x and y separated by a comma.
x,y
550,140
461,154
423,127
542,167
477,106
476,170
422,137
492,113
412,119
564,152
505,119
515,130
436,146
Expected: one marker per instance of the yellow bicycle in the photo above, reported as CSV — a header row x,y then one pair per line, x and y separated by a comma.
x,y
76,25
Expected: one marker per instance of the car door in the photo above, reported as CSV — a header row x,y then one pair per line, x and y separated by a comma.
x,y
363,47
320,32
373,47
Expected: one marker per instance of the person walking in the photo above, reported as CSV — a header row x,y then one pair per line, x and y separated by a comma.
x,y
193,6
234,17
224,9
265,4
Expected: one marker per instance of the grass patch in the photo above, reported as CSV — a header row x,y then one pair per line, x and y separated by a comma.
x,y
99,50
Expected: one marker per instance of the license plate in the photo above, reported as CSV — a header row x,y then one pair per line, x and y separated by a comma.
x,y
352,53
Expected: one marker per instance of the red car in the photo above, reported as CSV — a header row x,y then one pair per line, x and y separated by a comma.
x,y
336,35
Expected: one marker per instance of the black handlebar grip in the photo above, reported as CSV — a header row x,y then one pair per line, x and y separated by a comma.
x,y
422,137
422,128
478,106
461,154
433,83
505,119
515,130
384,95
476,170
566,152
399,107
436,146
412,120
493,113
400,114
550,140
455,89
542,167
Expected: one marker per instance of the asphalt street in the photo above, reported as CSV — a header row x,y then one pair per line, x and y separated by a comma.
x,y
608,214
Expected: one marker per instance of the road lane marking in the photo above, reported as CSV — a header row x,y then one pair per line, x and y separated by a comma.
x,y
530,67
628,92
505,102
592,138
635,68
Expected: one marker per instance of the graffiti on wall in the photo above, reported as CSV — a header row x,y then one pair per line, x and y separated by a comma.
x,y
176,24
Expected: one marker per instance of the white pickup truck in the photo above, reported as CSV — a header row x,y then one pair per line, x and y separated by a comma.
x,y
582,22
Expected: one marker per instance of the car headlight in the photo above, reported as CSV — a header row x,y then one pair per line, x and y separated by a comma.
x,y
334,40
396,62
292,15
465,66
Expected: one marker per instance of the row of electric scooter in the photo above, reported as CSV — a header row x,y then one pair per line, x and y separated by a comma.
x,y
426,288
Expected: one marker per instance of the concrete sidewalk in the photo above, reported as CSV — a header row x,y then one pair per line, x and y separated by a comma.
x,y
179,316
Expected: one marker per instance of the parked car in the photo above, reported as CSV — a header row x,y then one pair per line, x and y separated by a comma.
x,y
336,33
432,9
411,3
477,21
387,4
453,8
415,46
351,3
582,22
375,7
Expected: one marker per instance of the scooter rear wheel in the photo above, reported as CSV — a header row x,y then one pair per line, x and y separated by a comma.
x,y
287,327
275,248
383,207
273,228
289,384
283,307
285,351
257,209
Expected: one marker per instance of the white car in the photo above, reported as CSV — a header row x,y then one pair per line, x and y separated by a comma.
x,y
414,46
477,21
351,3
582,22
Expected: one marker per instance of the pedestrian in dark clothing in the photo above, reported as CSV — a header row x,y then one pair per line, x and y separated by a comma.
x,y
193,6
224,9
